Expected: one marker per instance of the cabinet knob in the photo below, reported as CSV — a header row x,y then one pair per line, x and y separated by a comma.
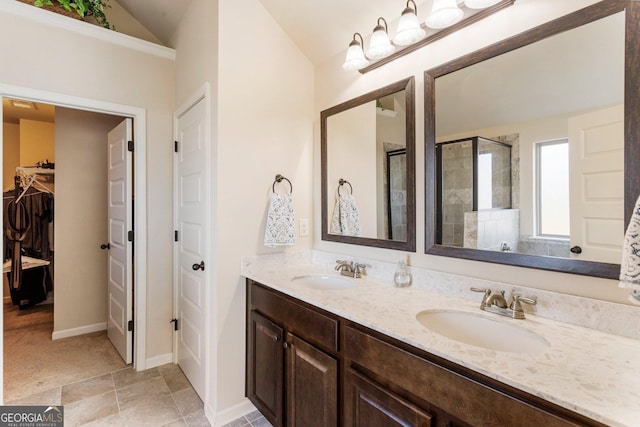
x,y
276,338
285,345
576,250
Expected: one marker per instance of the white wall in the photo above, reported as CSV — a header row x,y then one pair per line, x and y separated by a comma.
x,y
80,218
37,142
262,118
333,85
265,128
50,58
352,141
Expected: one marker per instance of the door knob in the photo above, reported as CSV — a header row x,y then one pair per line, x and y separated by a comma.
x,y
576,250
105,246
197,267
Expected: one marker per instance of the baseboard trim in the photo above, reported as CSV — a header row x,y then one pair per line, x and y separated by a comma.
x,y
160,360
230,414
56,335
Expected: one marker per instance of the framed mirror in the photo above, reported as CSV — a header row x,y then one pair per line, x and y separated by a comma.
x,y
532,147
368,169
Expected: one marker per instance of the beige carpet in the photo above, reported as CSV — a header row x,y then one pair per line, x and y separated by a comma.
x,y
34,363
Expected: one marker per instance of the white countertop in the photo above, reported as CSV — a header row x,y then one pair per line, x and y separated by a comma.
x,y
593,373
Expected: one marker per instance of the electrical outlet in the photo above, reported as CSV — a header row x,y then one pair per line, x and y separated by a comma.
x,y
304,227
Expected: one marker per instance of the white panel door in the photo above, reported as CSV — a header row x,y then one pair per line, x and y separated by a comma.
x,y
192,273
120,309
596,156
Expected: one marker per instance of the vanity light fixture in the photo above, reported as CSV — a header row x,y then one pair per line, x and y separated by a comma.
x,y
380,46
480,4
355,55
409,29
444,13
447,16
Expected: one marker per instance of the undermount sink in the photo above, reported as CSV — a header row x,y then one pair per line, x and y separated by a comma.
x,y
482,331
324,281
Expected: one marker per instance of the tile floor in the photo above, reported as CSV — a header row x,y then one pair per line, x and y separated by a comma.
x,y
156,397
88,377
254,419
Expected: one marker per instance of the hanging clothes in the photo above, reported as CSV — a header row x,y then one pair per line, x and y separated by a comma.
x,y
18,225
38,206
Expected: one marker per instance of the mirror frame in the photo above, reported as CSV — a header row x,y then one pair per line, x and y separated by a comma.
x,y
408,85
631,134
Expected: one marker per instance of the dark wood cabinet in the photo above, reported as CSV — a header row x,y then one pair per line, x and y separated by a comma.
x,y
265,374
451,394
307,367
369,404
311,385
292,377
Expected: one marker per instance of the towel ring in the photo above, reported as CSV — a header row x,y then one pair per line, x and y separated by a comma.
x,y
278,179
341,182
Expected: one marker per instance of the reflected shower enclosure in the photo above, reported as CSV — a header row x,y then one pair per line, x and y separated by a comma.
x,y
473,177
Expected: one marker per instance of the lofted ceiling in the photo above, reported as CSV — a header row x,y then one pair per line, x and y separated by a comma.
x,y
321,29
160,17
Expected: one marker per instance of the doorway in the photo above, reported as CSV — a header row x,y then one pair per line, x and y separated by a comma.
x,y
66,167
192,256
139,235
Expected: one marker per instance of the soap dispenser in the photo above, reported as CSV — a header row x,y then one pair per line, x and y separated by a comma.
x,y
402,277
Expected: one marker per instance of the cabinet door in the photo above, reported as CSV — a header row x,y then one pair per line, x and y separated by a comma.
x,y
368,404
311,384
265,362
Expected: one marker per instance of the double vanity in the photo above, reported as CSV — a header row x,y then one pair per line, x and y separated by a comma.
x,y
324,349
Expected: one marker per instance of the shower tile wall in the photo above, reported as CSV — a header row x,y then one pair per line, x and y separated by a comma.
x,y
398,194
513,140
548,247
399,200
457,191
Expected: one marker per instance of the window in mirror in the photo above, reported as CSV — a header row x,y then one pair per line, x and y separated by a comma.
x,y
552,185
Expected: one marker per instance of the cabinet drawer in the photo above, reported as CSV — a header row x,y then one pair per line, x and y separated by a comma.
x,y
310,324
465,398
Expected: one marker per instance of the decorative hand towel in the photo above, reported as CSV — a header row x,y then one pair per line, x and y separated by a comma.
x,y
345,219
280,230
630,266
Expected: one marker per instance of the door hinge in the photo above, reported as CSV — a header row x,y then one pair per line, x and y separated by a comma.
x,y
130,146
175,236
130,326
175,146
130,236
175,324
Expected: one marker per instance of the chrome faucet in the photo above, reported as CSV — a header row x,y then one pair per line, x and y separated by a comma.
x,y
496,303
497,300
349,268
